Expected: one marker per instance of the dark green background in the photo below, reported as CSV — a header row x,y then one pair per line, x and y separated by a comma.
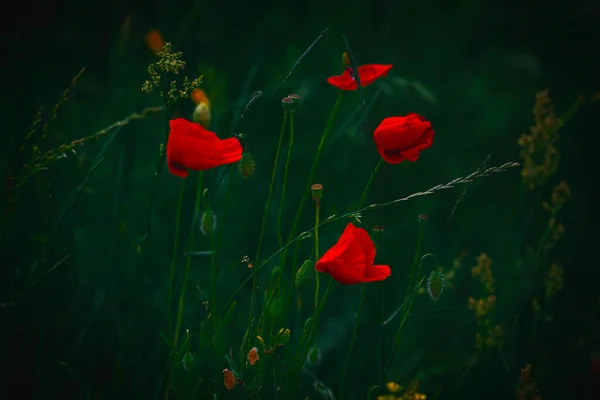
x,y
480,64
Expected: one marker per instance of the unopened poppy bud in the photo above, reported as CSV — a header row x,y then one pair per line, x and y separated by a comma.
x,y
287,103
305,275
317,192
346,60
202,115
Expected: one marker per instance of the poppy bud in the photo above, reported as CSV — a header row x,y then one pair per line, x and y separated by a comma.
x,y
305,275
317,192
287,103
208,222
246,165
314,356
346,60
202,115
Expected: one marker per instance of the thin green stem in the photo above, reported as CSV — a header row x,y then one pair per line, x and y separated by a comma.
x,y
300,357
277,289
188,261
174,256
313,169
342,390
264,220
369,182
285,176
417,261
317,273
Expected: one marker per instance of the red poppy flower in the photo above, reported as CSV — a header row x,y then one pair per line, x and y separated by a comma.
x,y
351,259
403,138
190,146
366,73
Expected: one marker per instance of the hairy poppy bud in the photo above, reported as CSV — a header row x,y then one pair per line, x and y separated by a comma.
x,y
305,275
202,115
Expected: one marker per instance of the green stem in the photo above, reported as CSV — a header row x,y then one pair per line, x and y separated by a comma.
x,y
317,274
300,357
313,169
174,256
264,220
342,390
188,261
341,393
277,288
409,290
382,378
285,176
369,182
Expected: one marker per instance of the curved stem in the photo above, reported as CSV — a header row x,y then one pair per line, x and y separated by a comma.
x,y
317,276
285,176
264,220
313,169
174,256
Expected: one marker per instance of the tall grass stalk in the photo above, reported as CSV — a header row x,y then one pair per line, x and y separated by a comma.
x,y
189,260
313,169
174,258
264,220
409,288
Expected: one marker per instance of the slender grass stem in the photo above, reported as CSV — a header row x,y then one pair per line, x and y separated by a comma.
x,y
417,261
264,220
174,257
188,261
277,289
317,273
285,176
313,169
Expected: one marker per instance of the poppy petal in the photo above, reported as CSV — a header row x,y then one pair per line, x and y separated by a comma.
x,y
369,73
375,273
185,127
366,244
343,81
201,155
